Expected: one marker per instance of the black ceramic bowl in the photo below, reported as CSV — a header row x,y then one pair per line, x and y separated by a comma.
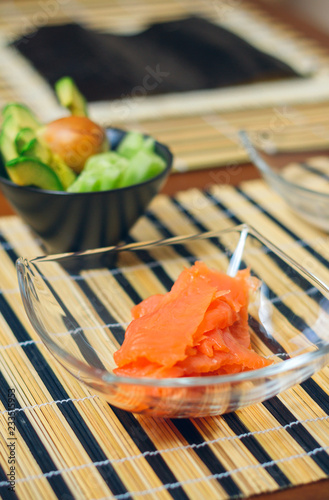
x,y
70,222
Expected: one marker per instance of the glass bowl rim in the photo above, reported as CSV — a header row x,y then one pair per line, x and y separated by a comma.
x,y
265,168
183,382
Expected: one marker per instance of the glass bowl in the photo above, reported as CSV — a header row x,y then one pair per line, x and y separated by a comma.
x,y
79,304
298,176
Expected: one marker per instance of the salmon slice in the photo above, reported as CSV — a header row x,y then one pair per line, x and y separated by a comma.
x,y
235,358
156,301
238,285
162,336
198,328
147,306
240,329
218,315
245,357
143,368
211,341
201,364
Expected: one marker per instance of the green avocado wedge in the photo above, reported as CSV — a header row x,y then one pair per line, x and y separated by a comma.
x,y
26,171
7,140
16,117
22,116
25,141
28,145
34,148
70,97
63,172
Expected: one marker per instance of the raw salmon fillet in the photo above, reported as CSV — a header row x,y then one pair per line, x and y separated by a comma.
x,y
200,327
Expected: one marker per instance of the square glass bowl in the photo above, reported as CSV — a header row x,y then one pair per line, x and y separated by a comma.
x,y
301,177
80,304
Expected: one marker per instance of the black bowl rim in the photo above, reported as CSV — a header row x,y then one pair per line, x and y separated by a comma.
x,y
162,174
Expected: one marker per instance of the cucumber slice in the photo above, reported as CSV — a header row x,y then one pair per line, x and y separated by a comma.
x,y
70,97
104,161
36,149
130,144
22,116
149,144
24,141
102,172
31,172
142,166
17,145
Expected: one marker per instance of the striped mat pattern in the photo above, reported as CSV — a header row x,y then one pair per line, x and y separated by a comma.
x,y
71,444
211,140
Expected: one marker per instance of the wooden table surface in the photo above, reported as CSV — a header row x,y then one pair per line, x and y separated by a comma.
x,y
203,179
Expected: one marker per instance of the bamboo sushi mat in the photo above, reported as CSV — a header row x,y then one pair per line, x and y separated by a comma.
x,y
71,444
200,127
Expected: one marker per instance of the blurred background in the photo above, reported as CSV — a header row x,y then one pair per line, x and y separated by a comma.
x,y
315,12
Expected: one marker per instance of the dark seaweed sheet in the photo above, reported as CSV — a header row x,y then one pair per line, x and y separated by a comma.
x,y
177,56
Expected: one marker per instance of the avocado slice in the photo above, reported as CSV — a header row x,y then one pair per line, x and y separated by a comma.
x,y
35,148
42,153
70,97
22,116
25,141
29,160
32,172
7,139
16,117
65,174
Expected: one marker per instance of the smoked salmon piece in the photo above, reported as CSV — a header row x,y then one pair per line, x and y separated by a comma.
x,y
163,334
198,328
